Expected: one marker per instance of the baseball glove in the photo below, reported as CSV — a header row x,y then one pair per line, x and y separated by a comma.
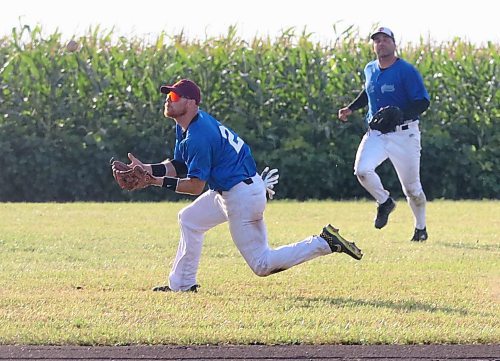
x,y
386,119
130,178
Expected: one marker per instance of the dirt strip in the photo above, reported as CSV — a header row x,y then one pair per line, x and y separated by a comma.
x,y
297,352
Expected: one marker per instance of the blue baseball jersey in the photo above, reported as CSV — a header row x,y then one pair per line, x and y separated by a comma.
x,y
397,85
214,153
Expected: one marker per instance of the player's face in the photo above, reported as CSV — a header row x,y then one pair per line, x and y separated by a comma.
x,y
383,46
175,106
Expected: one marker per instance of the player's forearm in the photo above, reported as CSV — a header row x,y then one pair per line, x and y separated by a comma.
x,y
163,169
192,186
415,108
361,101
157,169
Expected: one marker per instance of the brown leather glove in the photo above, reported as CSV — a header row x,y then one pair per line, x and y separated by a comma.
x,y
130,178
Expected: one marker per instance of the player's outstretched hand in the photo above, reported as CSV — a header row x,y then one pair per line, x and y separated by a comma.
x,y
134,161
270,178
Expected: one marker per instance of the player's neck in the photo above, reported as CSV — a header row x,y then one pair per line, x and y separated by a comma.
x,y
387,61
186,119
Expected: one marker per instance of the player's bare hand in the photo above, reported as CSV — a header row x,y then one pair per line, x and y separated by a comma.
x,y
134,161
344,114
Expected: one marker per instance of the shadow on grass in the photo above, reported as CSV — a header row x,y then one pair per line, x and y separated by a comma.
x,y
476,246
407,305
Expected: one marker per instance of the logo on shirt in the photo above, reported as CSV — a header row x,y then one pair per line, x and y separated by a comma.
x,y
387,88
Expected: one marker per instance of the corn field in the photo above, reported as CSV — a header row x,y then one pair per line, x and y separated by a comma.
x,y
64,114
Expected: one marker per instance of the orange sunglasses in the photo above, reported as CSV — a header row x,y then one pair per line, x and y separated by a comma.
x,y
174,97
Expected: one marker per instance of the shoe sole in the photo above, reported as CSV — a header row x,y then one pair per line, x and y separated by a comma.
x,y
345,246
161,289
193,288
387,220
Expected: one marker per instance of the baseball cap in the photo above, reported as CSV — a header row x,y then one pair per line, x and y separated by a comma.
x,y
185,88
383,30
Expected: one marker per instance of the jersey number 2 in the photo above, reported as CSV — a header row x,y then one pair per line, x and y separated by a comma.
x,y
235,141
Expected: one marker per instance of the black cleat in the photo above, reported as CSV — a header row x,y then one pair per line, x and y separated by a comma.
x,y
193,288
383,212
338,244
420,235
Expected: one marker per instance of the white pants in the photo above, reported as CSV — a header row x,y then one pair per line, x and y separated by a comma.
x,y
402,147
243,207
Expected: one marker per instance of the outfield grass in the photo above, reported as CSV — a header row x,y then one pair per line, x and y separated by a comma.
x,y
81,273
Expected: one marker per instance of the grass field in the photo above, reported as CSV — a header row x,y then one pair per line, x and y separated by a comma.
x,y
81,273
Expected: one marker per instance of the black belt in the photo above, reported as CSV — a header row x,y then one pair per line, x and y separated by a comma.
x,y
246,181
406,124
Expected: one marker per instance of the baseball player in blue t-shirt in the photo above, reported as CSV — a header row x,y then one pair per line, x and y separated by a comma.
x,y
207,152
392,83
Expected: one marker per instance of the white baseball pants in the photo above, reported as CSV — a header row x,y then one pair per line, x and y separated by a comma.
x,y
402,147
243,207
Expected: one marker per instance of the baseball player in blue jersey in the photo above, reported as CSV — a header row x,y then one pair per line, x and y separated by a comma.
x,y
208,152
391,84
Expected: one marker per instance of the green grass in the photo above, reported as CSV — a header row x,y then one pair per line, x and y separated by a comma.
x,y
81,273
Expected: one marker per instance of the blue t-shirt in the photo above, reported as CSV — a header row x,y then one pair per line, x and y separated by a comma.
x,y
397,85
214,153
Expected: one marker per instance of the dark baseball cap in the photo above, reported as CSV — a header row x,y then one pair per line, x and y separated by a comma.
x,y
185,88
383,30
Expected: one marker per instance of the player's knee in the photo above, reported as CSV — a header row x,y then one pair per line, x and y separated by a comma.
x,y
415,193
184,217
261,272
264,269
419,199
181,216
261,268
363,172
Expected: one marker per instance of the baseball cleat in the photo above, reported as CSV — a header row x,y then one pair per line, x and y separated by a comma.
x,y
193,288
338,244
420,235
383,211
